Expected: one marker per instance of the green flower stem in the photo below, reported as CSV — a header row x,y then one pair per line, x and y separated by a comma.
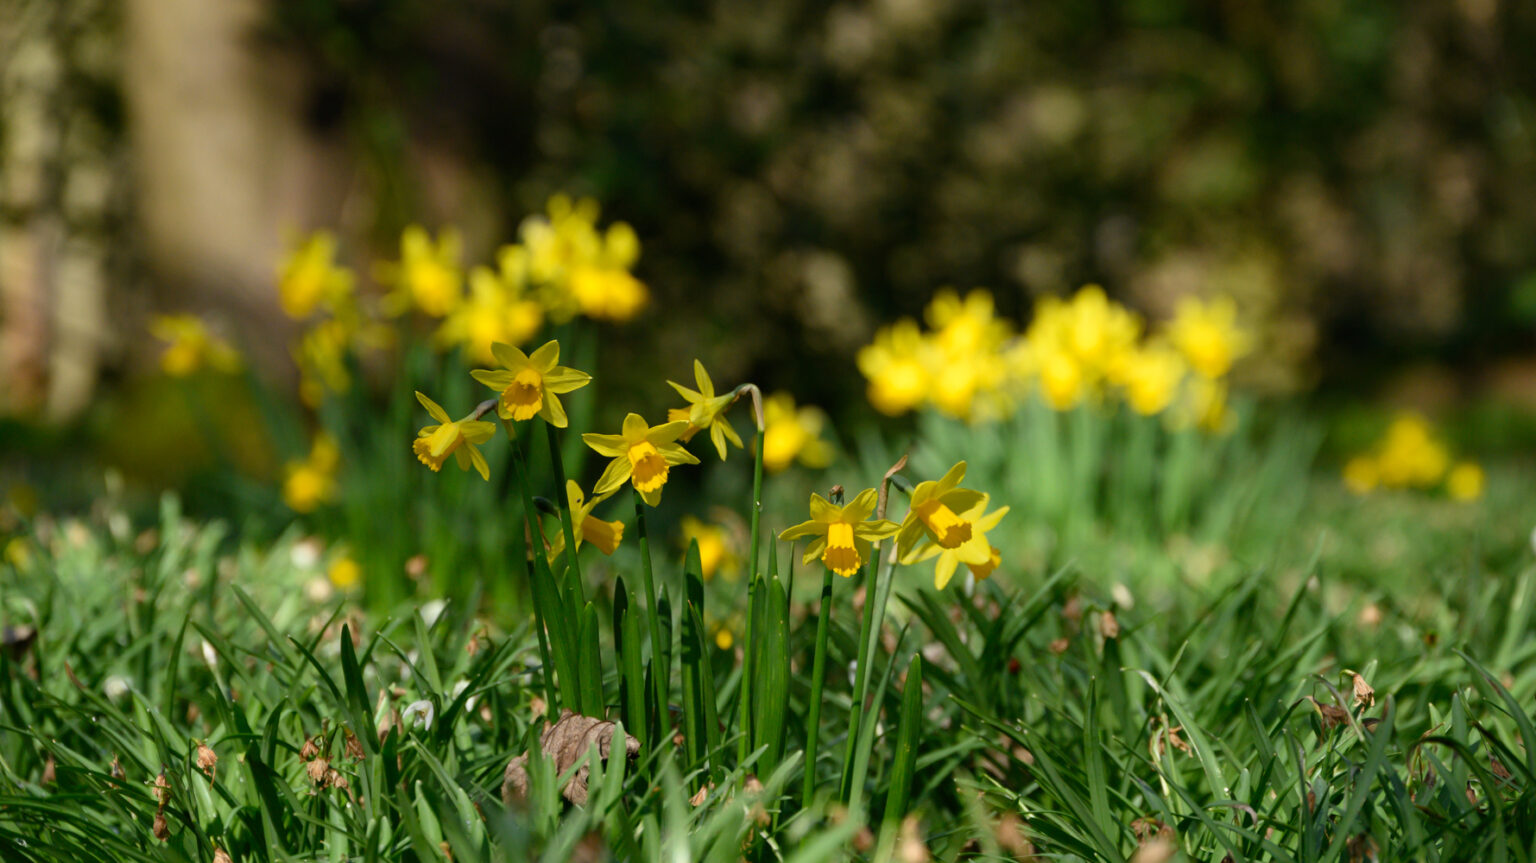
x,y
818,679
744,699
860,680
658,674
563,500
515,466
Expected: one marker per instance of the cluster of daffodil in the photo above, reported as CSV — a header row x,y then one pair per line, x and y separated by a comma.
x,y
944,523
1411,455
1088,349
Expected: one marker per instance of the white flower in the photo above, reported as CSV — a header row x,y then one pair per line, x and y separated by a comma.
x,y
458,689
116,686
422,710
431,611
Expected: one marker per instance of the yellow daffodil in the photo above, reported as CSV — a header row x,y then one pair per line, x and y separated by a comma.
x,y
309,277
934,511
1410,454
190,346
642,454
608,293
842,533
1208,335
1062,382
715,552
1361,475
427,277
321,356
344,573
705,410
435,443
1465,482
531,383
792,433
896,367
312,481
495,311
606,535
1151,378
975,552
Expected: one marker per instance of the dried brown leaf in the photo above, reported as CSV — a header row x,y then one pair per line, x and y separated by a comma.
x,y
567,742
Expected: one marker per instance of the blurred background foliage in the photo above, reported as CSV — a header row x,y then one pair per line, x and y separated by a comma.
x,y
1357,175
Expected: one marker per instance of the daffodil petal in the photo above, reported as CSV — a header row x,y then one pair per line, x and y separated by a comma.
x,y
478,459
563,380
666,432
545,358
875,529
688,395
509,355
634,428
824,511
616,474
944,570
952,477
432,408
701,377
652,497
717,437
804,528
496,379
552,411
814,550
675,454
610,445
862,506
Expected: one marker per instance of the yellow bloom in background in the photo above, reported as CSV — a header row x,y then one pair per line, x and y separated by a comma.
x,y
842,533
1206,406
791,433
896,367
434,443
1208,335
716,554
344,573
1465,481
1096,333
309,277
607,293
321,356
642,454
965,327
1410,455
310,482
1361,475
495,311
1062,382
191,347
427,276
934,512
531,384
975,552
606,535
724,639
1151,378
706,410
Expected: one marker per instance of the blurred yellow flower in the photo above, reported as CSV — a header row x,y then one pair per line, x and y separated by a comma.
x,y
642,454
975,552
608,293
321,356
791,433
18,553
842,533
1062,381
427,276
705,410
578,269
1361,474
309,277
1465,481
897,368
434,443
1151,378
190,347
344,573
724,639
934,512
1410,455
531,384
312,481
1208,335
715,552
495,311
606,535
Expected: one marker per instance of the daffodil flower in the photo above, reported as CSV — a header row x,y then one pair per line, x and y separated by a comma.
x,y
190,346
312,481
531,383
1208,335
975,552
435,443
715,552
935,509
427,276
642,454
606,535
705,410
309,277
842,533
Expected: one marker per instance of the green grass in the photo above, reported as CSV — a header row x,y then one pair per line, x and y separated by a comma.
x,y
1011,705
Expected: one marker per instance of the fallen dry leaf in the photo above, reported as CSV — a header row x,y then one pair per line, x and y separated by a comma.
x,y
567,742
